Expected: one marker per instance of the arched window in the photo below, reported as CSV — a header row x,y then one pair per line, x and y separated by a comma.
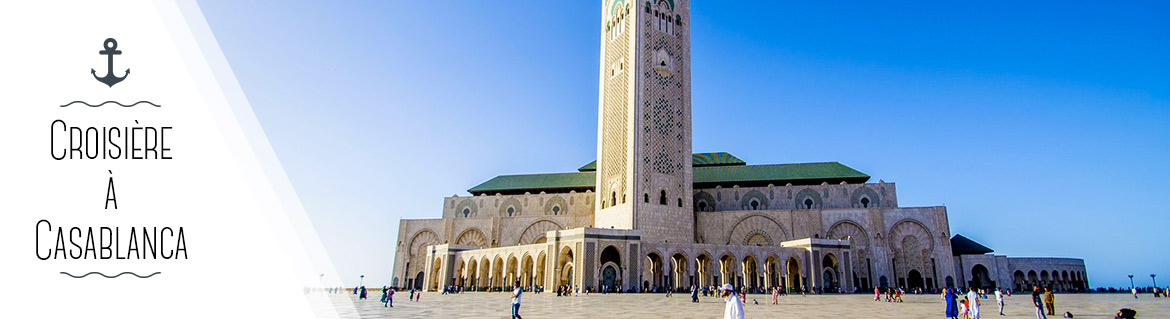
x,y
702,206
645,198
613,198
865,202
662,197
680,202
511,210
755,204
556,210
808,203
466,212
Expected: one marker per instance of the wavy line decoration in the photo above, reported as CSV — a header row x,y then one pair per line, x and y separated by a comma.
x,y
109,102
108,276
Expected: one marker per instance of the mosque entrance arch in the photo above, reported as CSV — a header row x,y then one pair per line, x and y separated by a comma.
x,y
793,273
608,277
980,277
914,280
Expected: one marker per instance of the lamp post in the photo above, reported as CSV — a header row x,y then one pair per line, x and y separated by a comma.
x,y
362,279
1154,279
1131,282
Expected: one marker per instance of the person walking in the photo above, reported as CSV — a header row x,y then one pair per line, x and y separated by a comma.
x,y
1134,292
952,310
877,293
775,296
973,310
516,301
1049,302
389,302
734,307
694,293
362,296
1038,303
411,295
999,300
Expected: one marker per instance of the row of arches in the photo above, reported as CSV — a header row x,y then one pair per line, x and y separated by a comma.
x,y
807,198
1056,279
515,206
496,272
680,272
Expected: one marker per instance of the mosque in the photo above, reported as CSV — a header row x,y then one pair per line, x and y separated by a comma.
x,y
649,214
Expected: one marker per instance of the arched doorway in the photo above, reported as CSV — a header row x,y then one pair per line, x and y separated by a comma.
x,y
750,274
484,279
793,274
497,275
436,267
702,270
564,267
460,273
1019,281
980,277
538,272
526,270
512,273
771,276
727,270
653,280
914,280
472,273
681,272
611,261
609,277
418,280
830,275
567,275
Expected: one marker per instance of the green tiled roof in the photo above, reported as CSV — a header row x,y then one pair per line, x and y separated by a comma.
x,y
715,159
535,182
706,176
965,246
697,160
592,166
779,174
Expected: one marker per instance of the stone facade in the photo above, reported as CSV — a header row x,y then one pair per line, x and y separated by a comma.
x,y
648,223
1020,273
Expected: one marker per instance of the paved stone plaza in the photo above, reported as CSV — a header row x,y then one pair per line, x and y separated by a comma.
x,y
495,305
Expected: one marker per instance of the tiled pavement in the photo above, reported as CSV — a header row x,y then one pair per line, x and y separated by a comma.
x,y
496,305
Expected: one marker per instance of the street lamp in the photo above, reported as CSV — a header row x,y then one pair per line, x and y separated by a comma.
x,y
1154,279
1131,282
362,279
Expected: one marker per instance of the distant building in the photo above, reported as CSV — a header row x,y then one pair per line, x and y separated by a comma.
x,y
649,214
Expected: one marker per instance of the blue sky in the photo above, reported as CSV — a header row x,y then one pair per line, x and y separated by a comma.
x,y
1044,127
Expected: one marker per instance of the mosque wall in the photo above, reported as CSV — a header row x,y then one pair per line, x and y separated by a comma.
x,y
771,197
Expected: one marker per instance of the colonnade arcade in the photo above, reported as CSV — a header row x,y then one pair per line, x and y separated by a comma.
x,y
679,266
600,261
1060,280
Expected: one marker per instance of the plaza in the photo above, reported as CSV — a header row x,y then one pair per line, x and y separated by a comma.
x,y
548,305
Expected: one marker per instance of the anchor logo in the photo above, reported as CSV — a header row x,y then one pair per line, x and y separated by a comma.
x,y
111,50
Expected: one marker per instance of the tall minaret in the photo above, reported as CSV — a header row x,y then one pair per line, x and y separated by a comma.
x,y
644,127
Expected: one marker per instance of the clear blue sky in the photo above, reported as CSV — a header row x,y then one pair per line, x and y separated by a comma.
x,y
1044,127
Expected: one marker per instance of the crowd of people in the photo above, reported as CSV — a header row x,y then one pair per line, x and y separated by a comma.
x,y
960,303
